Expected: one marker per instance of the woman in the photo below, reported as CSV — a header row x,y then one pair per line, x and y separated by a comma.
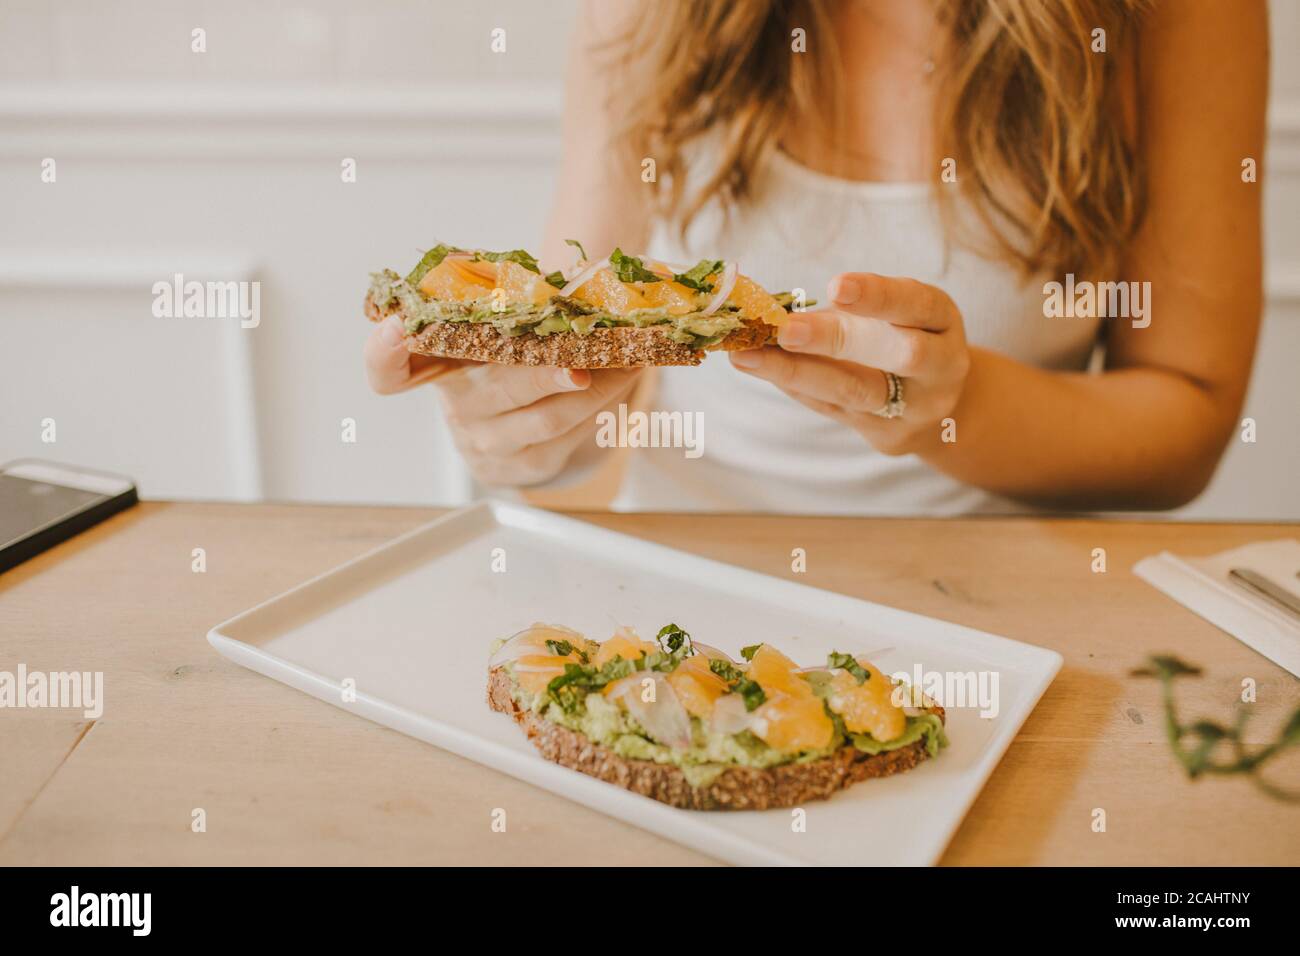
x,y
941,167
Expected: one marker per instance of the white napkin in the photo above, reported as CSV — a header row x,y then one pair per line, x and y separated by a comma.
x,y
1203,586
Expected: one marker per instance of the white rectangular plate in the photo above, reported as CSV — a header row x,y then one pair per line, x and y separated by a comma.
x,y
411,623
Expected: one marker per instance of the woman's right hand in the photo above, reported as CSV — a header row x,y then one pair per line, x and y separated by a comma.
x,y
514,425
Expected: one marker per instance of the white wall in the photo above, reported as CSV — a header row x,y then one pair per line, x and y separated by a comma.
x,y
225,165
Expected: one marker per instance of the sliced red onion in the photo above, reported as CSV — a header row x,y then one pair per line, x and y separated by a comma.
x,y
532,640
730,715
866,655
574,267
668,269
664,718
538,667
729,273
627,633
583,277
712,653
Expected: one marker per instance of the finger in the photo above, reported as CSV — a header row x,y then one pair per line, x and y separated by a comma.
x,y
551,417
425,368
485,391
529,466
904,302
388,363
850,387
851,419
532,464
391,368
911,353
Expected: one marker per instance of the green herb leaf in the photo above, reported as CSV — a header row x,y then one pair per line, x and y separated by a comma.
x,y
1208,737
1209,730
748,652
572,309
565,648
570,689
726,670
697,277
849,663
630,268
616,669
430,260
519,256
1165,666
557,279
1291,732
577,245
671,637
665,661
738,683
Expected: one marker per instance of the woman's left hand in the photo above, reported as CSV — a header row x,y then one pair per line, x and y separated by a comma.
x,y
833,360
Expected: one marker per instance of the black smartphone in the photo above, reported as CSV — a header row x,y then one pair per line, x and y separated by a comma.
x,y
43,503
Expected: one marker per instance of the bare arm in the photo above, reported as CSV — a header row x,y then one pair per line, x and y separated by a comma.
x,y
1150,430
1146,433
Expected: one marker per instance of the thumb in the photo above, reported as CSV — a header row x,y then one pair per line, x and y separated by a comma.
x,y
388,363
390,366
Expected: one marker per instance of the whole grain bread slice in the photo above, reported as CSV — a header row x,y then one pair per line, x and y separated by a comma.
x,y
599,348
737,788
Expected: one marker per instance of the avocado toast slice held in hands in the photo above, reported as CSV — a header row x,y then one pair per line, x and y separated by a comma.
x,y
618,312
683,723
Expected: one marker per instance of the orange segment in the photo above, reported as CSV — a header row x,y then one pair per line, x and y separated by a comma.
x,y
777,673
624,647
522,286
454,281
535,671
790,724
482,270
604,291
698,664
755,302
673,296
697,687
867,708
536,636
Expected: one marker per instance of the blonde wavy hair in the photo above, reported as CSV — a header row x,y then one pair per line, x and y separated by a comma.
x,y
1026,108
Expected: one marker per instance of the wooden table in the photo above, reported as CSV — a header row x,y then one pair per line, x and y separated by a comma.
x,y
285,779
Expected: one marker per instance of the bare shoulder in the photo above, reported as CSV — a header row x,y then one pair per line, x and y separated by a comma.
x,y
1202,99
1205,46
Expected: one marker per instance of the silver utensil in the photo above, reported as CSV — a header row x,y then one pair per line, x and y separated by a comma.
x,y
1258,584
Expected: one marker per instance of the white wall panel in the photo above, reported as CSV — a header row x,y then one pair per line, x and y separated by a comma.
x,y
146,175
168,402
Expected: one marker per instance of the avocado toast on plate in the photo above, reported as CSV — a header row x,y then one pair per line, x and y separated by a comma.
x,y
687,725
617,312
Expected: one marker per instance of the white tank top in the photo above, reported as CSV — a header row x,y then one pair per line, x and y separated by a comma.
x,y
763,451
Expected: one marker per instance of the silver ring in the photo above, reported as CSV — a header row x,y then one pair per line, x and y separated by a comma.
x,y
894,405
